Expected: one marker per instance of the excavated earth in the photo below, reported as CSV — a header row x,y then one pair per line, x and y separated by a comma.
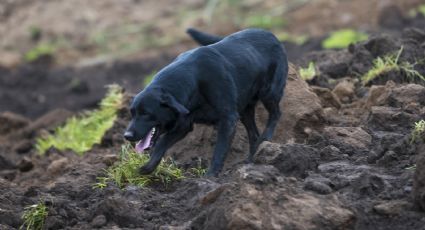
x,y
341,157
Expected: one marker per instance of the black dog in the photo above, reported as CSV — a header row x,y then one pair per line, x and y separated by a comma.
x,y
216,84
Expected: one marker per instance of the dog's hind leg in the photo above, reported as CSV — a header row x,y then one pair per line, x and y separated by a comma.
x,y
271,99
225,134
164,143
248,120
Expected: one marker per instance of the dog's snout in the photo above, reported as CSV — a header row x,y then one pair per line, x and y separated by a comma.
x,y
129,136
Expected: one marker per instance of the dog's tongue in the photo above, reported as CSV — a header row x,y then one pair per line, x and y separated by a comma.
x,y
144,143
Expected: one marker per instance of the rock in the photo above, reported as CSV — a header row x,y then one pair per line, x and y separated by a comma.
x,y
301,109
368,184
345,91
404,95
419,177
11,122
99,221
327,97
396,95
331,153
382,118
381,45
317,186
25,164
361,179
58,166
393,207
349,140
279,204
290,159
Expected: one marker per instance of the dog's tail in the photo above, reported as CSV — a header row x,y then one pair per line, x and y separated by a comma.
x,y
202,38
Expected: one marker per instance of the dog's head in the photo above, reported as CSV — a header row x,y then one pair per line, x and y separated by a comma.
x,y
153,112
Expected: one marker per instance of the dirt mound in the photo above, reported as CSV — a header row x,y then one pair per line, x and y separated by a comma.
x,y
259,190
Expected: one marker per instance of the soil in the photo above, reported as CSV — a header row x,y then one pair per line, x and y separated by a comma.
x,y
343,163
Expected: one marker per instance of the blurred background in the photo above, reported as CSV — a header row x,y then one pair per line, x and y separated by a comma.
x,y
61,53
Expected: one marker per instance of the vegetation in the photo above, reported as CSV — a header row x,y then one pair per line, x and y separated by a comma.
x,y
199,170
297,39
126,171
34,216
82,132
343,38
43,49
418,130
391,63
148,79
419,10
264,21
35,33
413,167
309,72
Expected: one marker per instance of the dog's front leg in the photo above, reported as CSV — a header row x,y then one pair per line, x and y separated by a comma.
x,y
164,143
225,134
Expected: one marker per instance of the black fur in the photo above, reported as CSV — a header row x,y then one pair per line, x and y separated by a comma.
x,y
216,84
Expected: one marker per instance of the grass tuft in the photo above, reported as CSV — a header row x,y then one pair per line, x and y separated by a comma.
x,y
82,132
391,63
34,216
199,170
309,72
297,39
265,21
418,130
343,38
39,51
126,171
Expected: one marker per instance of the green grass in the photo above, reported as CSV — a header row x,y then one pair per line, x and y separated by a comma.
x,y
34,216
125,172
418,130
199,170
80,133
35,32
40,50
286,37
389,63
265,21
343,38
419,10
148,79
309,72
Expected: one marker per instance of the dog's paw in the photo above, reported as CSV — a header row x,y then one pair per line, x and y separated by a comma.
x,y
146,169
211,173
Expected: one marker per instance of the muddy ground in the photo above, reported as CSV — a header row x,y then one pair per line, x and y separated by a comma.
x,y
340,159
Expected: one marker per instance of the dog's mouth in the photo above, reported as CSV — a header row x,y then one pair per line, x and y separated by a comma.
x,y
148,141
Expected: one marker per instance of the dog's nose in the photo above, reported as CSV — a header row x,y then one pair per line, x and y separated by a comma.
x,y
129,136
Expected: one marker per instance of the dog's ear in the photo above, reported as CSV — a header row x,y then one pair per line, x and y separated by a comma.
x,y
171,102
